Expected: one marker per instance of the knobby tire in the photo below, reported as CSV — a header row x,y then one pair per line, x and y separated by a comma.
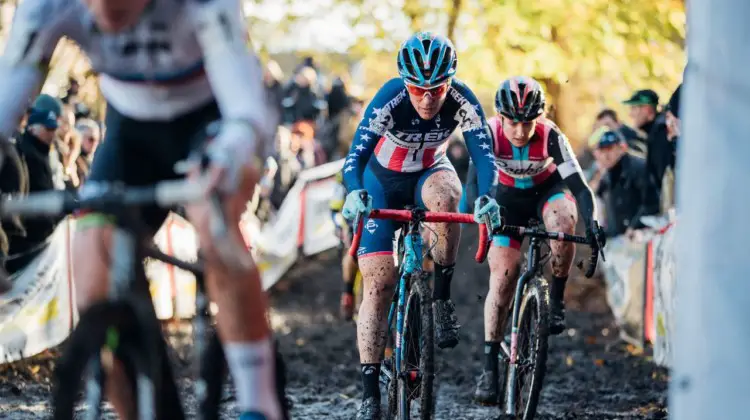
x,y
534,318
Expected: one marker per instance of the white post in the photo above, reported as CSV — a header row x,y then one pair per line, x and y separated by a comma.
x,y
711,344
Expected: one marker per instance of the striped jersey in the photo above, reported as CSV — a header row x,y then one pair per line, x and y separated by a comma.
x,y
548,151
393,134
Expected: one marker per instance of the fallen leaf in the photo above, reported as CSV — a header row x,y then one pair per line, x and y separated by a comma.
x,y
569,361
590,340
300,342
599,362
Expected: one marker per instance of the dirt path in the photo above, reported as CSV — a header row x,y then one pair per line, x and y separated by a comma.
x,y
590,372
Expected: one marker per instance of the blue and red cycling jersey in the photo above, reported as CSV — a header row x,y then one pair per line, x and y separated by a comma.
x,y
393,133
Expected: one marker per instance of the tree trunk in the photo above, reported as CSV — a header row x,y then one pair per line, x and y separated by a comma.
x,y
453,17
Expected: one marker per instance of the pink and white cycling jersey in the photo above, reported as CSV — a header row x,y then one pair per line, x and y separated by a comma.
x,y
525,167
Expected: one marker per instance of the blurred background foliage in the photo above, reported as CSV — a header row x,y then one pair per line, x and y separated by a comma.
x,y
589,54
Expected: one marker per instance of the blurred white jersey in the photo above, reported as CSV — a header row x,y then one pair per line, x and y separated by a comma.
x,y
180,55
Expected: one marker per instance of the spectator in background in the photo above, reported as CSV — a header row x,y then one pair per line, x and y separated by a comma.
x,y
643,110
622,186
35,150
302,100
339,110
90,139
272,80
305,147
636,141
673,135
71,96
288,167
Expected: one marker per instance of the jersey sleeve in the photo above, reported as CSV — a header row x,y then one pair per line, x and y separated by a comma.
x,y
233,70
476,132
35,31
570,171
377,119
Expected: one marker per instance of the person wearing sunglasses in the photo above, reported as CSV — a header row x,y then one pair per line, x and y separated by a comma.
x,y
539,178
398,157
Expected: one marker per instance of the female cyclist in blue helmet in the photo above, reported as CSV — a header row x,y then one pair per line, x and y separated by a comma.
x,y
426,64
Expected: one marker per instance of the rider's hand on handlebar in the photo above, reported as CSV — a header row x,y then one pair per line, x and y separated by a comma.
x,y
595,235
354,205
485,208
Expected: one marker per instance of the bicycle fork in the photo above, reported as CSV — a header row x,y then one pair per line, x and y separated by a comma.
x,y
532,266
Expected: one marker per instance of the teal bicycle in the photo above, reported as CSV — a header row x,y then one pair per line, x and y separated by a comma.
x,y
409,372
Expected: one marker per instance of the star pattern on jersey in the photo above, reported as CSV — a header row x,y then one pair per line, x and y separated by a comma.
x,y
365,137
482,136
359,147
350,160
379,112
485,146
348,169
490,155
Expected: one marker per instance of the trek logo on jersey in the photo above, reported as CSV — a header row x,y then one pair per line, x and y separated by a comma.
x,y
467,116
522,168
417,140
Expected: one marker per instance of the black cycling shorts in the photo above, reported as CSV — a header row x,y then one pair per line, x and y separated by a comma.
x,y
142,153
518,206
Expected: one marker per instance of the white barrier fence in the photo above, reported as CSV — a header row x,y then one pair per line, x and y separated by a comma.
x,y
641,290
39,311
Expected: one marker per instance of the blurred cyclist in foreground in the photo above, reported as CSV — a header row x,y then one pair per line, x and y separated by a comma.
x,y
168,69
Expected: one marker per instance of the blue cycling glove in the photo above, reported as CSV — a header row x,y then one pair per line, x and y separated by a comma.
x,y
354,205
491,209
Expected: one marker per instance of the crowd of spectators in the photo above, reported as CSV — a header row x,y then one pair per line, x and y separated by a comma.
x,y
54,146
316,118
632,172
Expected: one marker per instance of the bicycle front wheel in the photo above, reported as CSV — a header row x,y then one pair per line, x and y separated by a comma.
x,y
106,332
533,336
415,381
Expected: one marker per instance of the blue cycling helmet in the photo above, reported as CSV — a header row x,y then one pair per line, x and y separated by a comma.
x,y
427,59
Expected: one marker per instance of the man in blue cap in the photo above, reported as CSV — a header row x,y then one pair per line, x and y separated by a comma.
x,y
44,174
622,186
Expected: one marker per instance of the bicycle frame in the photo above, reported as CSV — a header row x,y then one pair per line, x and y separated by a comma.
x,y
411,267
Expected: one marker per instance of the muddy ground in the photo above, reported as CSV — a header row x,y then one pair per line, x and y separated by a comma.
x,y
591,373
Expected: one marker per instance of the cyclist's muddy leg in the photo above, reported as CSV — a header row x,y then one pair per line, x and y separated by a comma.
x,y
241,320
504,263
560,215
91,275
379,278
441,191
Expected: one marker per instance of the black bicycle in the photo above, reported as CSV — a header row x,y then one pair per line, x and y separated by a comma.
x,y
125,326
525,357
